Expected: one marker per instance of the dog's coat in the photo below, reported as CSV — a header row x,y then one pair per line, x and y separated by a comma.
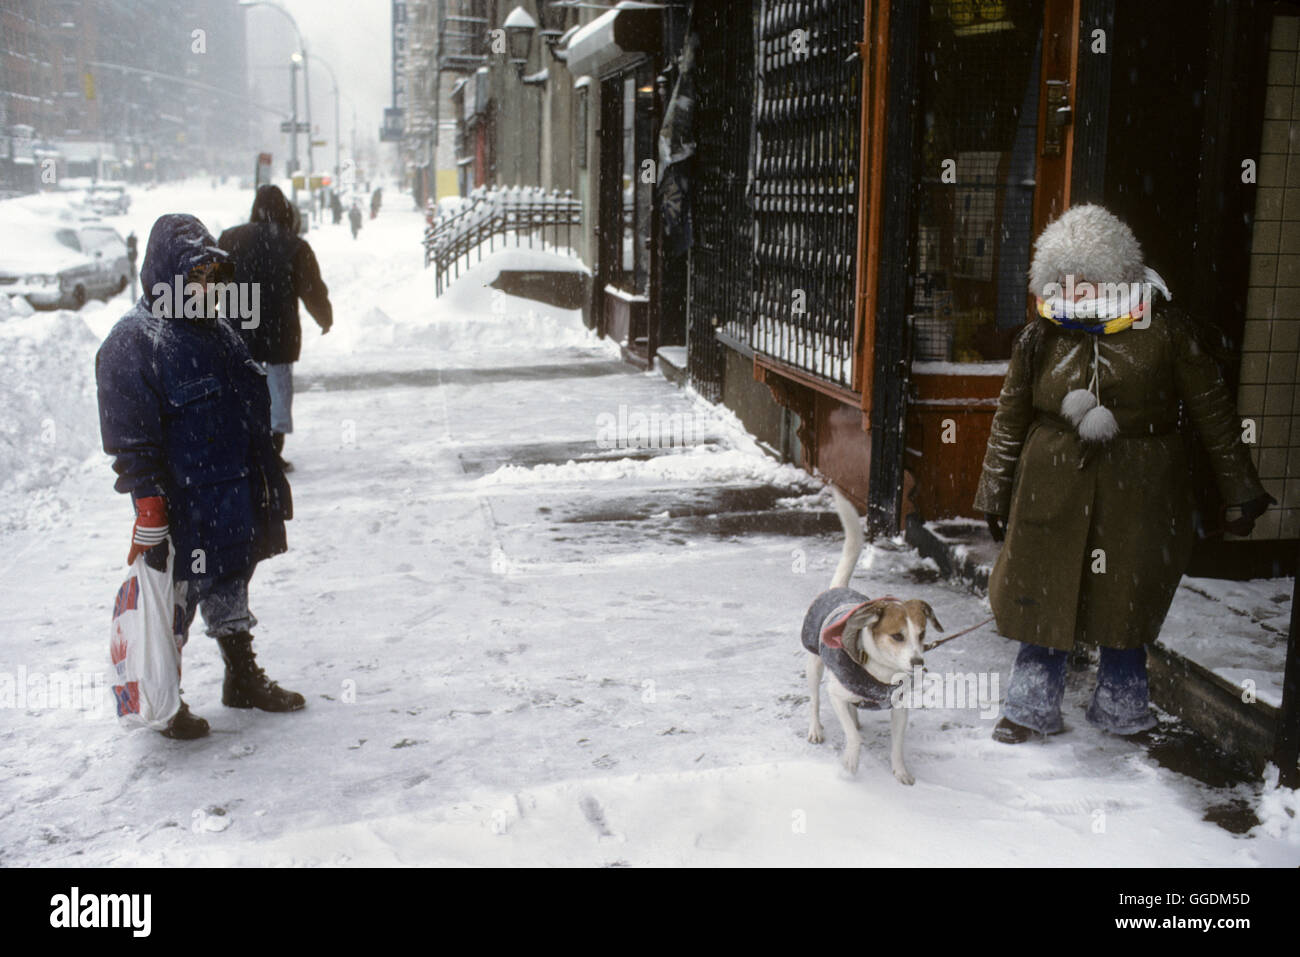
x,y
828,607
867,644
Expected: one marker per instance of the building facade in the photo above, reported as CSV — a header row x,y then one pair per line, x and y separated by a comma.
x,y
74,89
832,205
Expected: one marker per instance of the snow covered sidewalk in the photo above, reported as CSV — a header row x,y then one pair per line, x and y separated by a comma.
x,y
523,644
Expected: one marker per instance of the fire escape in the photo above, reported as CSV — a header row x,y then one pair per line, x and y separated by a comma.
x,y
462,49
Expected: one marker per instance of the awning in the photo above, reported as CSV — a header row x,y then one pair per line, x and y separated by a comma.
x,y
623,34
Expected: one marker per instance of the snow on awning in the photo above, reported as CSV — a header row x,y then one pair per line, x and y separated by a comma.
x,y
628,30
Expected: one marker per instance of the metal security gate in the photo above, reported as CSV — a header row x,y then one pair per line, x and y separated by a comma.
x,y
806,185
721,275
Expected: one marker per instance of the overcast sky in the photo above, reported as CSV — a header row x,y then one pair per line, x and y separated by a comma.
x,y
353,35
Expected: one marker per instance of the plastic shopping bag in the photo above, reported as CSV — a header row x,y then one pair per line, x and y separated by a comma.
x,y
146,646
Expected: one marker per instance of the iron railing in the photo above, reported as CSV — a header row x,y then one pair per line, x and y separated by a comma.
x,y
461,233
806,184
722,273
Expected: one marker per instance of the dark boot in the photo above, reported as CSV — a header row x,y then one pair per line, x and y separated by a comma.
x,y
1008,732
246,684
277,440
185,726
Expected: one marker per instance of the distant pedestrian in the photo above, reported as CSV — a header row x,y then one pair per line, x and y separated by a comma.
x,y
376,200
184,412
354,217
336,206
268,252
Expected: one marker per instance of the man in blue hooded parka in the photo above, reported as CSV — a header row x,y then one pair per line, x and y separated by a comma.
x,y
185,413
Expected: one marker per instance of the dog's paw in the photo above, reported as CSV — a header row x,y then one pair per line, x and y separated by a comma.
x,y
904,776
815,734
850,760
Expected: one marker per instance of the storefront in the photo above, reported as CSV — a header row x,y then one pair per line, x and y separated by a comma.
x,y
623,50
870,181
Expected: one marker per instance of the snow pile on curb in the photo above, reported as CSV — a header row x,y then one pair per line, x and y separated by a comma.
x,y
471,318
47,390
1279,808
704,464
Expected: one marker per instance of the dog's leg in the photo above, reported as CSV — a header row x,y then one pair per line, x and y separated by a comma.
x,y
848,721
898,725
814,671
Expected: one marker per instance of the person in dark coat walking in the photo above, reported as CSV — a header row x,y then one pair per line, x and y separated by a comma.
x,y
268,252
354,219
184,411
336,206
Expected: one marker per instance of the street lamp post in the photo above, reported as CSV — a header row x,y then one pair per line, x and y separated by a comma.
x,y
337,130
293,125
306,82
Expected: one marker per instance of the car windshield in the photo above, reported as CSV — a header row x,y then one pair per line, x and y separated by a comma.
x,y
68,237
105,240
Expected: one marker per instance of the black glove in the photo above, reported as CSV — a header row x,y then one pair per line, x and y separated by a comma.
x,y
997,526
1244,524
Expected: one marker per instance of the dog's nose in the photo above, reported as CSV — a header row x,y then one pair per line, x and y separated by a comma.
x,y
918,662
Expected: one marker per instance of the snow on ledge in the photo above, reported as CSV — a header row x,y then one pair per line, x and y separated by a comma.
x,y
626,296
926,367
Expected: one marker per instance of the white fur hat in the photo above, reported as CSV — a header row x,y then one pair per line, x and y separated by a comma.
x,y
1089,243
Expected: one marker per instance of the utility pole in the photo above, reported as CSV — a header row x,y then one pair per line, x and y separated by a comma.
x,y
293,120
306,83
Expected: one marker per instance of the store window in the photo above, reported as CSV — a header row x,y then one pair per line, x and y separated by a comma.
x,y
580,129
633,92
979,85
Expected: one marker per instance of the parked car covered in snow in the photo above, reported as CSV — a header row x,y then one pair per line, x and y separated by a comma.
x,y
108,199
53,264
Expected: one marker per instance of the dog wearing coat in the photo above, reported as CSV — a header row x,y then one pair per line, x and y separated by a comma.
x,y
867,645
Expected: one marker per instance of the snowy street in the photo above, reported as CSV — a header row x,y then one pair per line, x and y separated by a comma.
x,y
518,647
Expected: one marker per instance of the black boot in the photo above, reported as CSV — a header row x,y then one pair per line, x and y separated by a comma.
x,y
1008,732
185,726
246,684
277,440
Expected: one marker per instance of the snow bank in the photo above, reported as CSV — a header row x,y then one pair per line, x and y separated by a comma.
x,y
1279,809
47,390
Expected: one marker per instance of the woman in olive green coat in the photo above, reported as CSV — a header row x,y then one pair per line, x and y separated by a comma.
x,y
1086,473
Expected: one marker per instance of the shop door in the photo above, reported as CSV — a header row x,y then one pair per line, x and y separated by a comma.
x,y
626,205
996,81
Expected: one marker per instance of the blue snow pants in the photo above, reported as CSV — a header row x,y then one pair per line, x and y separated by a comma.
x,y
1119,705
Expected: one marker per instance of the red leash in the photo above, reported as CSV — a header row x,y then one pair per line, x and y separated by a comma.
x,y
935,644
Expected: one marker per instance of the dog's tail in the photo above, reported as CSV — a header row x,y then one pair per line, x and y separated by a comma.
x,y
852,538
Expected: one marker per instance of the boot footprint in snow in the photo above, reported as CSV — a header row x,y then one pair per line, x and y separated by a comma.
x,y
246,685
185,725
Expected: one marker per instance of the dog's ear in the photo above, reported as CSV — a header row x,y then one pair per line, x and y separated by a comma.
x,y
928,612
862,618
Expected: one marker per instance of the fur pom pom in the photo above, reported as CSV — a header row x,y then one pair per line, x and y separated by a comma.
x,y
1098,426
1076,404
